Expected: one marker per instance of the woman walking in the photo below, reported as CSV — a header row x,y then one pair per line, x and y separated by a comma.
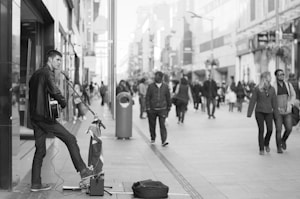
x,y
240,95
264,97
77,104
182,94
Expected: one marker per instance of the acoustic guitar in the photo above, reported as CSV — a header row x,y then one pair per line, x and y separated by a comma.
x,y
54,108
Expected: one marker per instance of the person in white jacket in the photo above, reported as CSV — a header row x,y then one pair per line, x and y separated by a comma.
x,y
286,98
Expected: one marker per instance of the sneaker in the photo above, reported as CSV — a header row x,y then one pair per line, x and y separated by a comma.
x,y
152,141
40,187
213,116
283,145
279,150
267,148
165,144
86,173
261,152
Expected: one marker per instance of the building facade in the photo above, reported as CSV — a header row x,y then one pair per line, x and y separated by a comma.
x,y
267,38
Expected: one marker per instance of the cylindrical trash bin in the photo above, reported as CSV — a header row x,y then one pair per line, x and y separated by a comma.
x,y
124,115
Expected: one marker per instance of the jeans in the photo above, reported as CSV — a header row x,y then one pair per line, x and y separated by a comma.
x,y
287,122
260,119
162,115
41,129
79,108
240,104
213,102
196,102
142,101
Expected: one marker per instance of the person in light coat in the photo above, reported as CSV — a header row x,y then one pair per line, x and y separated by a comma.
x,y
286,98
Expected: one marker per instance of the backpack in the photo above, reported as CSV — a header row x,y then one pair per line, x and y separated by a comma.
x,y
150,189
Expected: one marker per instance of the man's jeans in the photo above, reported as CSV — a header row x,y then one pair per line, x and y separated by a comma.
x,y
287,121
162,115
41,129
213,102
142,101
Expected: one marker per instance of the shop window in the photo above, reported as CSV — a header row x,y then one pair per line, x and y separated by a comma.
x,y
271,5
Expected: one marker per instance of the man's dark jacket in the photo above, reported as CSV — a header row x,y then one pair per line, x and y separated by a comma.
x,y
210,89
41,86
158,98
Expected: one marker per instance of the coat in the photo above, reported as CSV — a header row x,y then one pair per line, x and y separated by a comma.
x,y
41,87
207,89
158,98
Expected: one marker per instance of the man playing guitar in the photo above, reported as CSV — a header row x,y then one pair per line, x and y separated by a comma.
x,y
41,88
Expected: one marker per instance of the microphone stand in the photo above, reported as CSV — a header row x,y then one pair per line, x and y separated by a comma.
x,y
96,119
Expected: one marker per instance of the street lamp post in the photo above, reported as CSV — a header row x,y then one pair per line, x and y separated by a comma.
x,y
211,20
277,32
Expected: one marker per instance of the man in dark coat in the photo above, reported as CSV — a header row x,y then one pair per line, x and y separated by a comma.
x,y
41,88
210,91
158,104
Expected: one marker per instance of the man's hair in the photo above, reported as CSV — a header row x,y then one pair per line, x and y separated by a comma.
x,y
184,81
143,80
159,73
277,70
53,53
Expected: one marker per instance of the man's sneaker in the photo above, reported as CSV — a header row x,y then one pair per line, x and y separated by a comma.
x,y
86,173
267,148
40,187
283,145
165,144
279,150
152,141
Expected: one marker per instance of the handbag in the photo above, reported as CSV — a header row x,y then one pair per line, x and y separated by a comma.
x,y
174,100
295,115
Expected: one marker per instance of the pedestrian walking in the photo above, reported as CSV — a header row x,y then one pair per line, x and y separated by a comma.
x,y
231,94
103,91
210,90
286,98
240,96
41,88
85,93
77,104
231,98
196,92
265,102
158,105
142,89
293,80
91,89
182,95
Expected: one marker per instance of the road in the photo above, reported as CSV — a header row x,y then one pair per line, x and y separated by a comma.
x,y
218,158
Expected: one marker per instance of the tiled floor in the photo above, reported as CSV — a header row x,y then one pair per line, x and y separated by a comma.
x,y
211,159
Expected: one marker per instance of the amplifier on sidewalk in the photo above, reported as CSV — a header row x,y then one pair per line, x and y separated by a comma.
x,y
96,187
